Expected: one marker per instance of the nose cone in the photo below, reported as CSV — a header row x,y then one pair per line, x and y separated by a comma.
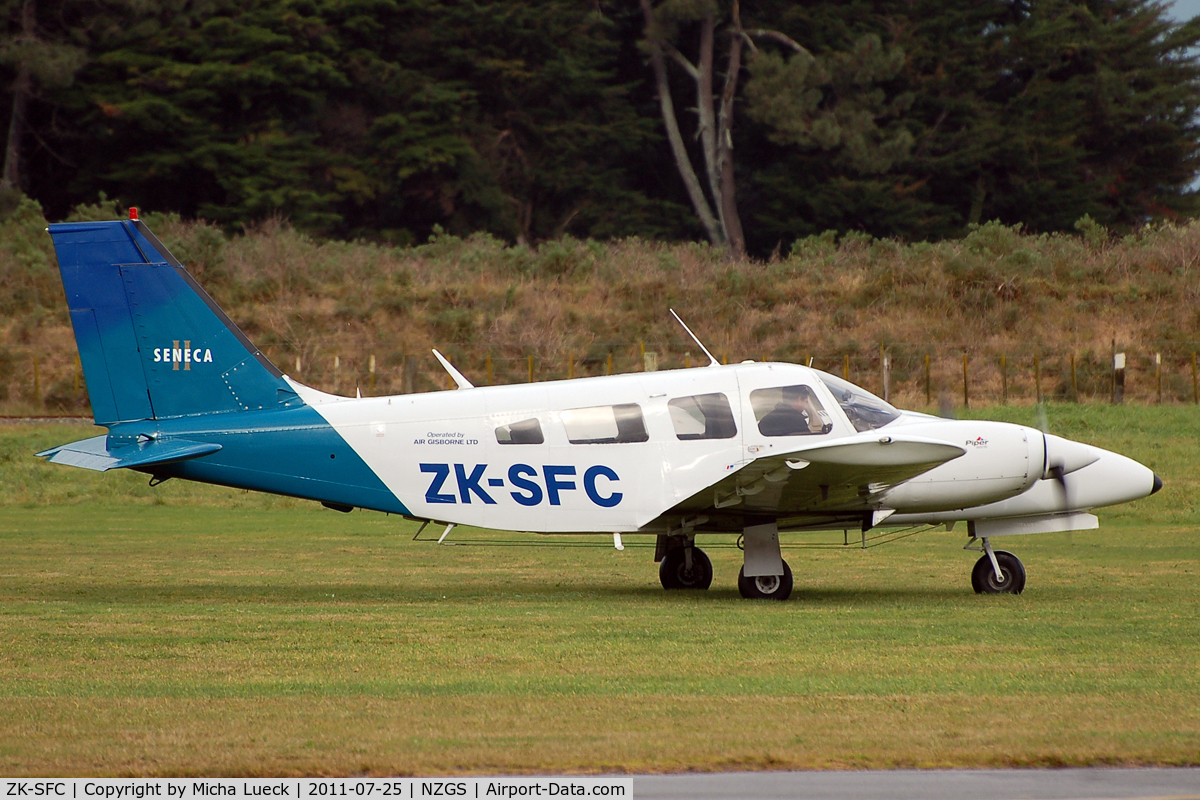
x,y
1110,480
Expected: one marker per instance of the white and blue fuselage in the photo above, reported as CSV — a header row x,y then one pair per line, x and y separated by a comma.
x,y
752,448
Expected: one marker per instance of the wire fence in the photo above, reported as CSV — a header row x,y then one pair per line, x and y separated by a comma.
x,y
909,375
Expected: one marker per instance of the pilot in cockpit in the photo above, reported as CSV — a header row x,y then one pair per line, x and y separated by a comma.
x,y
796,414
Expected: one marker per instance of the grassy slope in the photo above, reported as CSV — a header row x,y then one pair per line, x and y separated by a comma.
x,y
197,630
995,292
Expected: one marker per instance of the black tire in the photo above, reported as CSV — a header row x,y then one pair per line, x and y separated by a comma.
x,y
983,576
673,571
767,587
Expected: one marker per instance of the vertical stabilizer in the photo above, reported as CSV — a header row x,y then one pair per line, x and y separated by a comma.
x,y
153,344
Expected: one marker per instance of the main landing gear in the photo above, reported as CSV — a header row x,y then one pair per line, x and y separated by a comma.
x,y
766,587
763,576
997,571
685,566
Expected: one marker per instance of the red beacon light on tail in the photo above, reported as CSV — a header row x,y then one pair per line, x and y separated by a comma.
x,y
133,214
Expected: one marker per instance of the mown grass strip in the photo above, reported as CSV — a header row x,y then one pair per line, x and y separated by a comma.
x,y
194,630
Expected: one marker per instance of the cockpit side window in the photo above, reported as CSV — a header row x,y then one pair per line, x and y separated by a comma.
x,y
605,424
527,431
866,411
702,416
789,411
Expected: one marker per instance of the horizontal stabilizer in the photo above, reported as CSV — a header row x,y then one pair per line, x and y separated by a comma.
x,y
99,454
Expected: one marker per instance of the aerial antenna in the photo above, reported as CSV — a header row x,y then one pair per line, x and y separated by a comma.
x,y
458,377
712,362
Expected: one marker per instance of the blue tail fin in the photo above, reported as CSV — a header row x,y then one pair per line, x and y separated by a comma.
x,y
153,344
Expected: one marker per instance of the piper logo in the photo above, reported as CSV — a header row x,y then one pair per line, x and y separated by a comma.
x,y
978,441
186,355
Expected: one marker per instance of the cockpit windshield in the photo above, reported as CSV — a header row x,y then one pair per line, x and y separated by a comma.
x,y
866,411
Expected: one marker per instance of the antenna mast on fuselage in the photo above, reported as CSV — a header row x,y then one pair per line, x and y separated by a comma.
x,y
712,362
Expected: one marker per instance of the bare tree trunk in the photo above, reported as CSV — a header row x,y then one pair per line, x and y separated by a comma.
x,y
22,87
695,191
11,178
705,111
727,194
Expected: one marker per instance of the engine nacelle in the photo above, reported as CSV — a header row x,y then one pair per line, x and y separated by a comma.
x,y
1002,461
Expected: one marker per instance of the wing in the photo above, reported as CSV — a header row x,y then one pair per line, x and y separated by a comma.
x,y
842,477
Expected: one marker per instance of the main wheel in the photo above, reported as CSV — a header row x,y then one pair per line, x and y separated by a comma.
x,y
983,576
674,573
766,587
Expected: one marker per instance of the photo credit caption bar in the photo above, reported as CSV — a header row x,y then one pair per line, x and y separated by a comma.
x,y
415,788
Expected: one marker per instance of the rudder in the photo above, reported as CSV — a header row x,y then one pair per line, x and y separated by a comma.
x,y
153,344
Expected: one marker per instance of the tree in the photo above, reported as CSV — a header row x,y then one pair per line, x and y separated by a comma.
x,y
384,118
1024,112
39,63
830,102
1047,111
552,139
371,117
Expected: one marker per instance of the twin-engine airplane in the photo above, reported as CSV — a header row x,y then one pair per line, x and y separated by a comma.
x,y
751,449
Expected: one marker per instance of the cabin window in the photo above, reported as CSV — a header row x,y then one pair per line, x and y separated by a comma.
x,y
605,424
527,431
789,411
702,416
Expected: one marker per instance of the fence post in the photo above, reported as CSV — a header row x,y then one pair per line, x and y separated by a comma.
x,y
531,367
928,383
1004,378
571,366
642,352
966,382
846,367
1118,378
1158,375
1195,385
883,371
610,362
371,372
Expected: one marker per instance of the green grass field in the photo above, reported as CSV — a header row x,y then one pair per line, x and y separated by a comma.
x,y
196,630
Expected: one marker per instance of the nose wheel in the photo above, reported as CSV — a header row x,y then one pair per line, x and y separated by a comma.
x,y
998,572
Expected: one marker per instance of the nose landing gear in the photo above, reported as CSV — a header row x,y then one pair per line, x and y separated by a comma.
x,y
996,571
